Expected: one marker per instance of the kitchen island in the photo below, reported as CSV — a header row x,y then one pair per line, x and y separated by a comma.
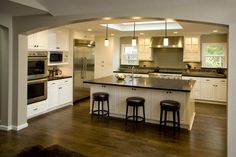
x,y
153,90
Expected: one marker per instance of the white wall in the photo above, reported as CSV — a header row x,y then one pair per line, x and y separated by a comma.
x,y
6,72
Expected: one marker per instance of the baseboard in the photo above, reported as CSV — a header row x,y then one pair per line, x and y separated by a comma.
x,y
211,102
19,127
5,128
13,127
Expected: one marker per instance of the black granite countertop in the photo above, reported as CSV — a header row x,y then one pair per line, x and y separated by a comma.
x,y
150,83
58,78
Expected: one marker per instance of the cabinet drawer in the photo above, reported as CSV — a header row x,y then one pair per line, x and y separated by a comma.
x,y
221,82
207,80
63,81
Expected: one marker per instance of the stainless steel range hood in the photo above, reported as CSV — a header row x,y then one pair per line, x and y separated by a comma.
x,y
174,42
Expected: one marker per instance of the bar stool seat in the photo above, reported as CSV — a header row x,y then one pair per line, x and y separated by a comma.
x,y
100,97
135,102
173,106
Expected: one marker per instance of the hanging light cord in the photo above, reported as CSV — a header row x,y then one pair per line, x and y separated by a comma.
x,y
106,31
134,31
165,28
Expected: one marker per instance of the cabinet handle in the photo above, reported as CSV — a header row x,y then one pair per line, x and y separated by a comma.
x,y
60,88
57,47
102,65
66,81
53,83
35,109
133,88
207,80
103,86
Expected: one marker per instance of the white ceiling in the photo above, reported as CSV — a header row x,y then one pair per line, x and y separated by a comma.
x,y
15,9
189,28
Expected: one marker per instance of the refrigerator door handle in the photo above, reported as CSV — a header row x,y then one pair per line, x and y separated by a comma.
x,y
85,67
82,68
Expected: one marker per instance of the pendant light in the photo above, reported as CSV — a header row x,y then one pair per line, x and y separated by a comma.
x,y
166,40
134,42
106,41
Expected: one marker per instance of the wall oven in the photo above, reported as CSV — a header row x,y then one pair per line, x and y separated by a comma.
x,y
37,64
37,90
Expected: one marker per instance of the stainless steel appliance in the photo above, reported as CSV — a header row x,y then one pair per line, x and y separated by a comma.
x,y
37,64
55,57
37,90
83,67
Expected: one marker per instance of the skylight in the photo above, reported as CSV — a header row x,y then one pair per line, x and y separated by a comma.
x,y
145,25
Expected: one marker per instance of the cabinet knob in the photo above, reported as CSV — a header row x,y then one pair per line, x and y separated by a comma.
x,y
57,47
133,88
103,86
60,88
35,109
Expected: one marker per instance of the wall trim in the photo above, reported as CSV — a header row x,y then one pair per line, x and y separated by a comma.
x,y
13,127
5,128
19,127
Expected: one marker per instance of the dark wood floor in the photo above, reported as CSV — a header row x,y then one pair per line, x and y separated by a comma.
x,y
73,128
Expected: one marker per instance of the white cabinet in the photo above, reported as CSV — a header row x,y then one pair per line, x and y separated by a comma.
x,y
64,91
36,108
207,86
58,39
209,89
144,49
52,99
191,49
59,95
38,41
59,92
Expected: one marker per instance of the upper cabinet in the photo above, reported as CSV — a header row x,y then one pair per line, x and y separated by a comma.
x,y
58,40
50,40
38,41
191,49
144,49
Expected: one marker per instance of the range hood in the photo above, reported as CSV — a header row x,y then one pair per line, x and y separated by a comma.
x,y
174,42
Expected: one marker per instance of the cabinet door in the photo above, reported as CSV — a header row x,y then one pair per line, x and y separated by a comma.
x,y
221,90
62,42
42,40
31,41
207,89
65,91
52,99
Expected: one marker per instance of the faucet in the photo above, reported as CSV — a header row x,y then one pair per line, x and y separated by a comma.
x,y
133,72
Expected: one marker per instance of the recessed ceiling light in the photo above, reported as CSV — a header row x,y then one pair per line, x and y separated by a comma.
x,y
136,17
89,29
112,34
107,18
215,31
175,32
141,33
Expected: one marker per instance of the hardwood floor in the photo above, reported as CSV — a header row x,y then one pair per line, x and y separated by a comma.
x,y
72,127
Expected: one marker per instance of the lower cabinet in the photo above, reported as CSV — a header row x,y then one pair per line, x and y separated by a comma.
x,y
209,89
59,95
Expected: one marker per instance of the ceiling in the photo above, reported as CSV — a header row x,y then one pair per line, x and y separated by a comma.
x,y
189,28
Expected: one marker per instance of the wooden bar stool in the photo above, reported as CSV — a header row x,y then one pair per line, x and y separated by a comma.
x,y
135,102
101,97
172,106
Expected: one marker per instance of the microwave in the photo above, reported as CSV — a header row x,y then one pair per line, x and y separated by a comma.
x,y
57,57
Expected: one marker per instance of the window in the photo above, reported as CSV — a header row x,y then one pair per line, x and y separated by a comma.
x,y
214,55
129,55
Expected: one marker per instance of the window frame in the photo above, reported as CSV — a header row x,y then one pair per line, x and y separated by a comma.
x,y
122,52
204,46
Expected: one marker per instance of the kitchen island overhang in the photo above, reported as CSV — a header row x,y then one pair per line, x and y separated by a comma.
x,y
153,90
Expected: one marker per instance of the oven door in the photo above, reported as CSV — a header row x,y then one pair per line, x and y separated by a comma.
x,y
37,67
37,90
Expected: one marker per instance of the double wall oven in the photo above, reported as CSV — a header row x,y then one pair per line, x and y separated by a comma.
x,y
37,76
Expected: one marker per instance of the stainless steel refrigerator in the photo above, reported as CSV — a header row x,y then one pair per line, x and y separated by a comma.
x,y
83,67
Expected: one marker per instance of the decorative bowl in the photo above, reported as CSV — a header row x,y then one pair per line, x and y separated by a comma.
x,y
120,76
